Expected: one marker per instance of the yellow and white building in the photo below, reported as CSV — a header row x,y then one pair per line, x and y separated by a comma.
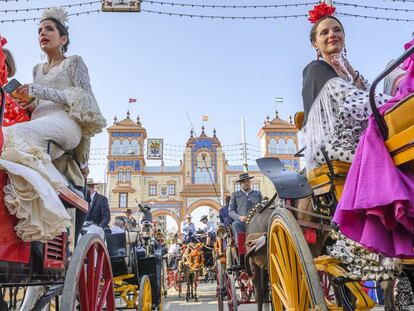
x,y
178,190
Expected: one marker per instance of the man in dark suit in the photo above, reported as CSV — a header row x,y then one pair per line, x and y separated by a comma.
x,y
99,212
241,202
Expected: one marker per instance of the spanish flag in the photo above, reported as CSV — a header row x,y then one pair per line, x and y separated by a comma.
x,y
204,118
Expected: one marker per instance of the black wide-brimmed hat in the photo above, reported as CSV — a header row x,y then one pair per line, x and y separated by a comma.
x,y
203,217
243,177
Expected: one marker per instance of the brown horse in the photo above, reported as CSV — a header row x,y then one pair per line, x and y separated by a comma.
x,y
191,264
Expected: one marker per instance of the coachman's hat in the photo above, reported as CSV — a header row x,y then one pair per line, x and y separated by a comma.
x,y
243,177
204,217
90,182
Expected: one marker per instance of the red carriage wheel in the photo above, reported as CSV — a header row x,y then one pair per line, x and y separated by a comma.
x,y
88,281
328,289
232,302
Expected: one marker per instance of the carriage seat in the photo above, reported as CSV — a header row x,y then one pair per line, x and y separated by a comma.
x,y
400,122
74,198
319,177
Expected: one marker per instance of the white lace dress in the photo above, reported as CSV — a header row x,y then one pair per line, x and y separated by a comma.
x,y
65,111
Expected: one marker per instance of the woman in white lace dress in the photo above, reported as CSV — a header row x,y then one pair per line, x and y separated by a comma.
x,y
64,111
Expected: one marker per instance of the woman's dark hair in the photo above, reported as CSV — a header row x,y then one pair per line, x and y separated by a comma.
x,y
10,63
227,200
312,35
63,31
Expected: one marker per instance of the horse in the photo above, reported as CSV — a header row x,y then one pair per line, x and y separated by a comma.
x,y
191,264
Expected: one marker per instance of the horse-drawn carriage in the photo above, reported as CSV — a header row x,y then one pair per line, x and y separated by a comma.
x,y
137,265
286,257
301,274
234,284
66,277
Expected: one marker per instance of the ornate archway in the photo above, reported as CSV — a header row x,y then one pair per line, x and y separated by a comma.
x,y
167,213
204,202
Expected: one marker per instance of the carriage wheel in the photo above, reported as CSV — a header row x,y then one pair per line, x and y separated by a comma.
x,y
328,288
232,302
295,284
221,286
145,295
88,281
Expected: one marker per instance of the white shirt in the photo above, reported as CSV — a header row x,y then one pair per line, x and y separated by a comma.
x,y
209,227
187,227
92,196
246,193
116,229
173,249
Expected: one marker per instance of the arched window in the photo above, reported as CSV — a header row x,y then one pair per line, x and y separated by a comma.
x,y
282,146
273,146
116,147
204,169
124,147
134,147
121,175
128,175
291,147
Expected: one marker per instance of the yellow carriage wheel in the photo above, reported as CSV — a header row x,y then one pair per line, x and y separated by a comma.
x,y
295,284
145,295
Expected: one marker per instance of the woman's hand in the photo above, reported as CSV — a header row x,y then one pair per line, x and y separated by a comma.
x,y
27,106
23,89
342,66
85,172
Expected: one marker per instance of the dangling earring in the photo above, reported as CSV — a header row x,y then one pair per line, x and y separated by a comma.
x,y
318,54
62,49
344,50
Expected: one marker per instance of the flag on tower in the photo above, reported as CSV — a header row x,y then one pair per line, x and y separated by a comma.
x,y
132,100
205,118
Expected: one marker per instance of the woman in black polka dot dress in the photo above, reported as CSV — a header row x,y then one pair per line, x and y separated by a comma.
x,y
335,97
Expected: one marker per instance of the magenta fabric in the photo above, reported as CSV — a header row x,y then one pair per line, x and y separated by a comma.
x,y
377,205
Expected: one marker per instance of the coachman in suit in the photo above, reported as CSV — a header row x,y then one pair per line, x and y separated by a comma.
x,y
241,202
99,212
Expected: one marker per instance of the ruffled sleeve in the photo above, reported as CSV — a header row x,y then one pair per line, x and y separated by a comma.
x,y
79,100
340,110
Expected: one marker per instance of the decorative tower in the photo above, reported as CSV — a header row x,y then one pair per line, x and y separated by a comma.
x,y
279,138
126,161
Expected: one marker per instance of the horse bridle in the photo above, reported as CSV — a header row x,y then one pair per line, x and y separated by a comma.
x,y
260,208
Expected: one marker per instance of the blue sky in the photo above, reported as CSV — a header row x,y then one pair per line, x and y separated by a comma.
x,y
221,68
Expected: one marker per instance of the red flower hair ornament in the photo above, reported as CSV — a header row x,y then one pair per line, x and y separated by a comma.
x,y
319,11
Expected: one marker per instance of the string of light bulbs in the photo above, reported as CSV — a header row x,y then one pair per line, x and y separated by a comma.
x,y
221,6
372,7
44,8
200,16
